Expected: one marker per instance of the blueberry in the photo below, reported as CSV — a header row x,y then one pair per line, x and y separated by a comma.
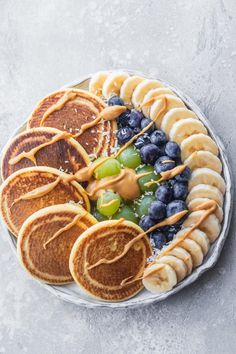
x,y
175,207
115,101
158,238
184,176
170,231
124,134
158,137
164,193
135,119
123,119
180,190
157,210
136,130
142,140
149,153
146,222
164,163
145,122
172,149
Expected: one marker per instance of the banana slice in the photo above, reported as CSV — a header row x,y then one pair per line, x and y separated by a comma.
x,y
200,159
177,264
97,81
182,254
171,102
207,176
198,201
185,128
154,93
128,86
197,142
205,191
113,83
210,225
142,89
173,116
194,249
198,236
159,278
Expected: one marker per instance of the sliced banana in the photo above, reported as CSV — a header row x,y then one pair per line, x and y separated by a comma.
x,y
197,142
198,201
177,264
113,83
171,102
200,159
194,249
182,254
210,225
97,81
159,278
198,236
142,89
128,87
205,175
151,94
173,116
185,128
205,191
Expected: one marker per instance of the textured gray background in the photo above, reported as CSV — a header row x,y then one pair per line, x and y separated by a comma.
x,y
45,44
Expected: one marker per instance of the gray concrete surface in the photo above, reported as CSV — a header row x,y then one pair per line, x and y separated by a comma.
x,y
45,44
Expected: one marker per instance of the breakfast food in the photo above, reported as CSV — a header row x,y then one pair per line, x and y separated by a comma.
x,y
144,176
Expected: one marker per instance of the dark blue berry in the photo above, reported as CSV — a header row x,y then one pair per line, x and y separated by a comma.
x,y
124,134
158,238
175,207
180,190
136,130
164,193
135,119
123,119
184,176
142,140
146,222
172,149
158,137
157,210
164,163
115,101
149,153
144,124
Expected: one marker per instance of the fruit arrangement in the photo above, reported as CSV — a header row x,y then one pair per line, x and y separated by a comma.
x,y
115,188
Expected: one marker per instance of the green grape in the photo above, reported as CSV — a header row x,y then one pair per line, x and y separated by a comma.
x,y
127,213
130,157
99,216
108,203
110,167
151,177
143,203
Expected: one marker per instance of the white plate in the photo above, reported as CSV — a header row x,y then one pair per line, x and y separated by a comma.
x,y
71,292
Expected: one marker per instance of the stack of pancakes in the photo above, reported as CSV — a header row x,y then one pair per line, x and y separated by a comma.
x,y
49,212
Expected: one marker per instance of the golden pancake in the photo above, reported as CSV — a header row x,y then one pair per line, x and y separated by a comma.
x,y
106,240
68,110
43,147
34,188
46,238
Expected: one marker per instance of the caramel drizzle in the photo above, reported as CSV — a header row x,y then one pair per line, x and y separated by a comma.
x,y
166,175
65,228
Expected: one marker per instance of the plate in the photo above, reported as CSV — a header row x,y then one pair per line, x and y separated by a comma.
x,y
71,293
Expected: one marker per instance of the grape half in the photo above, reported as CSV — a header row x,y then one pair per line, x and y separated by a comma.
x,y
130,157
108,203
151,177
127,213
110,167
143,203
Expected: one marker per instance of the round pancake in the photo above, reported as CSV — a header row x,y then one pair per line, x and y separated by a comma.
x,y
65,154
16,204
82,109
107,239
46,238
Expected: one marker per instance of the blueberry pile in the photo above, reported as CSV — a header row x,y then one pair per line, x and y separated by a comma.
x,y
155,150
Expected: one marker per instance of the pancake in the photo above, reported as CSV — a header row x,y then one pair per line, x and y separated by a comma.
x,y
65,153
74,108
46,238
34,188
107,239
